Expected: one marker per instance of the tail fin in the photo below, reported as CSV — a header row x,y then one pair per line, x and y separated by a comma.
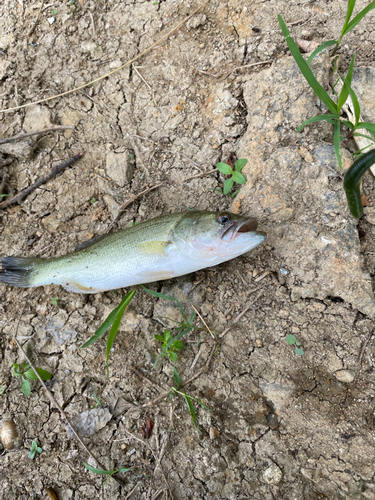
x,y
17,271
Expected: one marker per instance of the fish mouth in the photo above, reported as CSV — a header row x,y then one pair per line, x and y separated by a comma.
x,y
234,229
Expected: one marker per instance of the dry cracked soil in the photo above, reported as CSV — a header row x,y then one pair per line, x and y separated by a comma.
x,y
279,425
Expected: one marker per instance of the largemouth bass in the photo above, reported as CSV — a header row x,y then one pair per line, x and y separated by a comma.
x,y
158,249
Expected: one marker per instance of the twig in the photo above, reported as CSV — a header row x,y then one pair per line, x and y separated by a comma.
x,y
142,376
55,403
127,203
360,357
246,66
203,370
242,313
144,81
193,162
203,321
93,25
155,457
201,175
36,20
143,138
132,491
3,181
162,39
53,128
41,181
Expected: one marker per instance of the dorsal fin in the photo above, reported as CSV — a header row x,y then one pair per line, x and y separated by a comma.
x,y
88,243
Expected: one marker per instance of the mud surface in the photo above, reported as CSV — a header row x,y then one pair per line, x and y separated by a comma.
x,y
280,425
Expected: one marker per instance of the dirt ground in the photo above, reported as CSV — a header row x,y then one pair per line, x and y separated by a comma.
x,y
280,426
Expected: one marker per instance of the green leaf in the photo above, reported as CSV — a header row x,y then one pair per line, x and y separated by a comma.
x,y
109,320
3,195
224,168
159,337
177,337
353,23
177,378
368,126
96,399
336,142
299,351
239,165
39,450
192,411
25,387
98,471
116,323
315,52
239,178
345,89
43,374
305,68
166,297
173,356
357,109
348,124
328,118
2,389
32,454
16,373
291,339
178,344
228,184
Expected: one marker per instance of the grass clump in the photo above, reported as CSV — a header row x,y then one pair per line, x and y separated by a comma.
x,y
334,106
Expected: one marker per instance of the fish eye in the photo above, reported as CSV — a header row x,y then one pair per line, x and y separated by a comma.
x,y
223,219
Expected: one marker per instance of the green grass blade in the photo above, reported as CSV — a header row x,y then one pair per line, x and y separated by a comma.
x,y
116,324
345,89
353,23
319,118
336,142
357,134
357,109
348,124
166,297
108,321
368,126
305,68
177,378
349,12
192,411
315,52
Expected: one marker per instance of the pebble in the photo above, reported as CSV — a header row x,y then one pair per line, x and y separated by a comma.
x,y
273,474
346,376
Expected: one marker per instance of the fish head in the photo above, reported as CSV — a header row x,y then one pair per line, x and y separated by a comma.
x,y
216,236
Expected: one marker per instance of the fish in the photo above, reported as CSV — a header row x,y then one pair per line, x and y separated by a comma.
x,y
158,249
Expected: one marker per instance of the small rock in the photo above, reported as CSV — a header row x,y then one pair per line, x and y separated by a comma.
x,y
346,376
113,207
119,167
37,118
51,223
89,422
4,66
196,21
273,421
23,150
273,474
51,20
214,432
